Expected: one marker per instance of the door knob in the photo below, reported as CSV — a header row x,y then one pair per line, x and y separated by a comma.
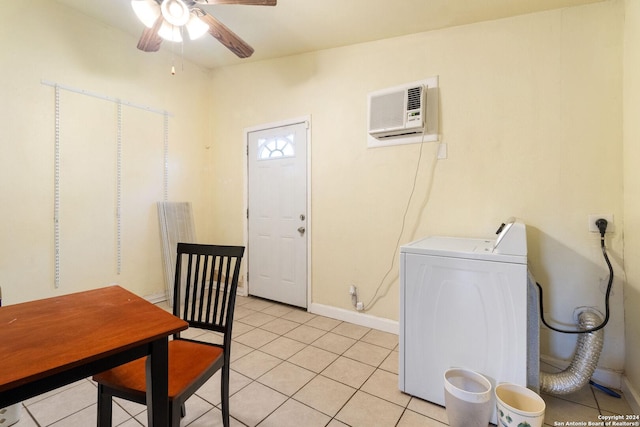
x,y
301,230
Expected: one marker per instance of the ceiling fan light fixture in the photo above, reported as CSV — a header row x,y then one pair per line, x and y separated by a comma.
x,y
177,17
176,12
170,32
196,27
147,11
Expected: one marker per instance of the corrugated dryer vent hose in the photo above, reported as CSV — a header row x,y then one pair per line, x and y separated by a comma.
x,y
585,359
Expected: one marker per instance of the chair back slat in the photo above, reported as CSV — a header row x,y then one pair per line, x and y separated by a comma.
x,y
217,301
206,282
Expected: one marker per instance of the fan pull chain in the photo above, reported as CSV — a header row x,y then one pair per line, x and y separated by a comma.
x,y
173,68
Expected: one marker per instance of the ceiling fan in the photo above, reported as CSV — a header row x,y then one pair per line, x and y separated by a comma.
x,y
167,20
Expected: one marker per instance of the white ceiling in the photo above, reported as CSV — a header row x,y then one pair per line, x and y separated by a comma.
x,y
297,26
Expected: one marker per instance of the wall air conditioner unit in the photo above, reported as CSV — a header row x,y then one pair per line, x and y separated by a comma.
x,y
403,114
397,112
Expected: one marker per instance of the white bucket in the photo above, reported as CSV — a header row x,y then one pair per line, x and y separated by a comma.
x,y
517,405
10,415
467,397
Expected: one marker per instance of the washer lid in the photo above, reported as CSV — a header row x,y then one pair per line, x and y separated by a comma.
x,y
456,247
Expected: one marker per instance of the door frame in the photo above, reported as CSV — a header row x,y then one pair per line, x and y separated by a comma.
x,y
309,225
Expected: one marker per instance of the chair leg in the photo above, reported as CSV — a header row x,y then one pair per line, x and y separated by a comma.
x,y
175,413
183,410
104,407
224,394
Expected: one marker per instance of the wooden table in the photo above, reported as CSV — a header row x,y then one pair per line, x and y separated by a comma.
x,y
52,342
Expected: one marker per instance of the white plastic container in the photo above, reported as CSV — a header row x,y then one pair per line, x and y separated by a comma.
x,y
10,415
468,398
517,405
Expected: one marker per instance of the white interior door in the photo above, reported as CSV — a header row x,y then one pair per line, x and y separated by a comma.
x,y
277,215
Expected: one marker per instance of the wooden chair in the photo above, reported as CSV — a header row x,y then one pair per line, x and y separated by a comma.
x,y
205,287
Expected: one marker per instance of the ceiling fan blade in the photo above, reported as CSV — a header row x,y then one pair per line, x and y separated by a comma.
x,y
245,2
227,37
150,41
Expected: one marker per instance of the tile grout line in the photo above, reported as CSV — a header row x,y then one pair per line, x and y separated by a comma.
x,y
342,354
303,319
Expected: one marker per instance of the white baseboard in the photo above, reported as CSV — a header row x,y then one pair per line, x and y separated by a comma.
x,y
356,317
243,291
605,377
161,296
631,395
156,298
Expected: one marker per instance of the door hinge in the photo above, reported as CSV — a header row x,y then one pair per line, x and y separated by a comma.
x,y
247,213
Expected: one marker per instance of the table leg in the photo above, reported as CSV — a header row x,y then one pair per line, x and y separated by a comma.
x,y
157,369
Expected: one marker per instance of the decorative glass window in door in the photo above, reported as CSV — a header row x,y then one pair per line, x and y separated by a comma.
x,y
276,147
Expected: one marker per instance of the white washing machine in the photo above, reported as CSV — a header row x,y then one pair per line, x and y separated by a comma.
x,y
467,303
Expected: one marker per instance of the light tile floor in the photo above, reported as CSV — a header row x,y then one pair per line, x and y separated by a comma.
x,y
293,368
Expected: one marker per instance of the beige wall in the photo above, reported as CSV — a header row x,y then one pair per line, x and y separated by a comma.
x,y
54,43
531,112
632,190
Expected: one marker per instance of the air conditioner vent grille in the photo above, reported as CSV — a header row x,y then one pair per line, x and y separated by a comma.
x,y
387,111
414,98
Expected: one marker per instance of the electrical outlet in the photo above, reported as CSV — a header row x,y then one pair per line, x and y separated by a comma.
x,y
353,291
442,151
594,217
